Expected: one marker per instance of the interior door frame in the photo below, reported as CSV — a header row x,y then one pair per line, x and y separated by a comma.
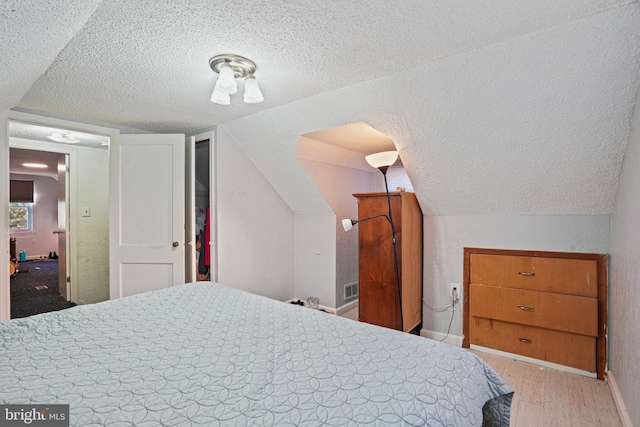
x,y
5,144
190,267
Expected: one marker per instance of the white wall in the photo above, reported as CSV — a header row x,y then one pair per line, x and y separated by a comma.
x,y
338,184
93,232
624,286
315,258
446,236
255,227
41,240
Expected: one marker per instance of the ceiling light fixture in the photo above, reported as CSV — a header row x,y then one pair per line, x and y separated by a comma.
x,y
229,68
35,165
63,137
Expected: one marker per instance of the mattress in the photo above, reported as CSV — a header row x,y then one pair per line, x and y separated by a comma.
x,y
206,354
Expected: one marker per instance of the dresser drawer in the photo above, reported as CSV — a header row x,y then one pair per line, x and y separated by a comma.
x,y
566,276
567,313
564,348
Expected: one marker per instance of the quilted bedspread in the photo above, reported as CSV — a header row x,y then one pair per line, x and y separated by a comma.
x,y
205,354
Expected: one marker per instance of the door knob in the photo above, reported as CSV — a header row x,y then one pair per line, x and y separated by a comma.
x,y
176,244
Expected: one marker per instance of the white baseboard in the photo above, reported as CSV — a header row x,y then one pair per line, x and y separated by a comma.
x,y
36,257
346,307
439,336
534,361
617,398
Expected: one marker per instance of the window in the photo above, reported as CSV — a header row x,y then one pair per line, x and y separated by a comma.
x,y
20,217
20,191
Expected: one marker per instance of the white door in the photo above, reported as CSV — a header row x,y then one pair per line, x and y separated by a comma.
x,y
146,217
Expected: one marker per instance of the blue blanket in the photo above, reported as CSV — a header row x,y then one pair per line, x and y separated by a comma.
x,y
205,354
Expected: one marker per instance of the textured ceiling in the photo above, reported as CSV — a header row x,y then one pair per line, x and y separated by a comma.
x,y
145,64
358,137
525,103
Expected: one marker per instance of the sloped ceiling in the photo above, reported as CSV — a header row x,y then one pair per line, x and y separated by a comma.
x,y
497,107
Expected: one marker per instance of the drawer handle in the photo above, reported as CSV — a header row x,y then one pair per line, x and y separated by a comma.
x,y
526,308
524,340
526,273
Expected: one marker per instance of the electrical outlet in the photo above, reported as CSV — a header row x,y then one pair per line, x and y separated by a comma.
x,y
458,290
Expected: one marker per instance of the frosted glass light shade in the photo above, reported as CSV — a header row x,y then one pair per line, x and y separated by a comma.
x,y
384,158
220,98
63,137
227,80
252,93
347,224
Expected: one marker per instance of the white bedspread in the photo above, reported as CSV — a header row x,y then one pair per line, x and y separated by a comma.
x,y
205,354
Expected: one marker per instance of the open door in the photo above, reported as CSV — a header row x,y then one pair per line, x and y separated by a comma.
x,y
146,217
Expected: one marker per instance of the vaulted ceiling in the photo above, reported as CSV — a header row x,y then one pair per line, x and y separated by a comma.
x,y
496,106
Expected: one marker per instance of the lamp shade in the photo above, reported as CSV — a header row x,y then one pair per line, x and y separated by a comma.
x,y
227,80
252,93
347,224
382,159
63,137
220,98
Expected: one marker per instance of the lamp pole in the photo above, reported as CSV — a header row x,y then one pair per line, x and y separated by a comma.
x,y
383,169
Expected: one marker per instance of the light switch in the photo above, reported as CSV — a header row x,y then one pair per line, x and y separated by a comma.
x,y
86,212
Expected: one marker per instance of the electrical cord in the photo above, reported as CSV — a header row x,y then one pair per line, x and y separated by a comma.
x,y
453,306
441,308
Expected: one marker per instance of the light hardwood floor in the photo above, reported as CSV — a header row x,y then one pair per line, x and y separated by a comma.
x,y
547,397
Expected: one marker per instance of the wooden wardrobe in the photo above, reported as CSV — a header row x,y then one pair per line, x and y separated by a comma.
x,y
378,299
549,306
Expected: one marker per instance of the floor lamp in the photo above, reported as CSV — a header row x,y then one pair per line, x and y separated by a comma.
x,y
382,161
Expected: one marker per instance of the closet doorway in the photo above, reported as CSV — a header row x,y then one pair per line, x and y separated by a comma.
x,y
201,254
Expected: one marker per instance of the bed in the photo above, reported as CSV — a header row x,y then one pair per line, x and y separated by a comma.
x,y
206,354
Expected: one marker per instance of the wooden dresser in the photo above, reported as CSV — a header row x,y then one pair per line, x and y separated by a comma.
x,y
378,295
544,305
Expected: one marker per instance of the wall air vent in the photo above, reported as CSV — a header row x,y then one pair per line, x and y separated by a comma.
x,y
350,290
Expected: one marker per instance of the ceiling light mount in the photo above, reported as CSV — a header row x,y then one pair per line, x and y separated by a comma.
x,y
241,66
64,137
230,67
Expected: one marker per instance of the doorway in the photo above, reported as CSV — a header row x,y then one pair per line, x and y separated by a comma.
x,y
202,210
37,227
201,253
85,228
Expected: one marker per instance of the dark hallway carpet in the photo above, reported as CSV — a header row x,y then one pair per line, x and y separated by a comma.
x,y
26,300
